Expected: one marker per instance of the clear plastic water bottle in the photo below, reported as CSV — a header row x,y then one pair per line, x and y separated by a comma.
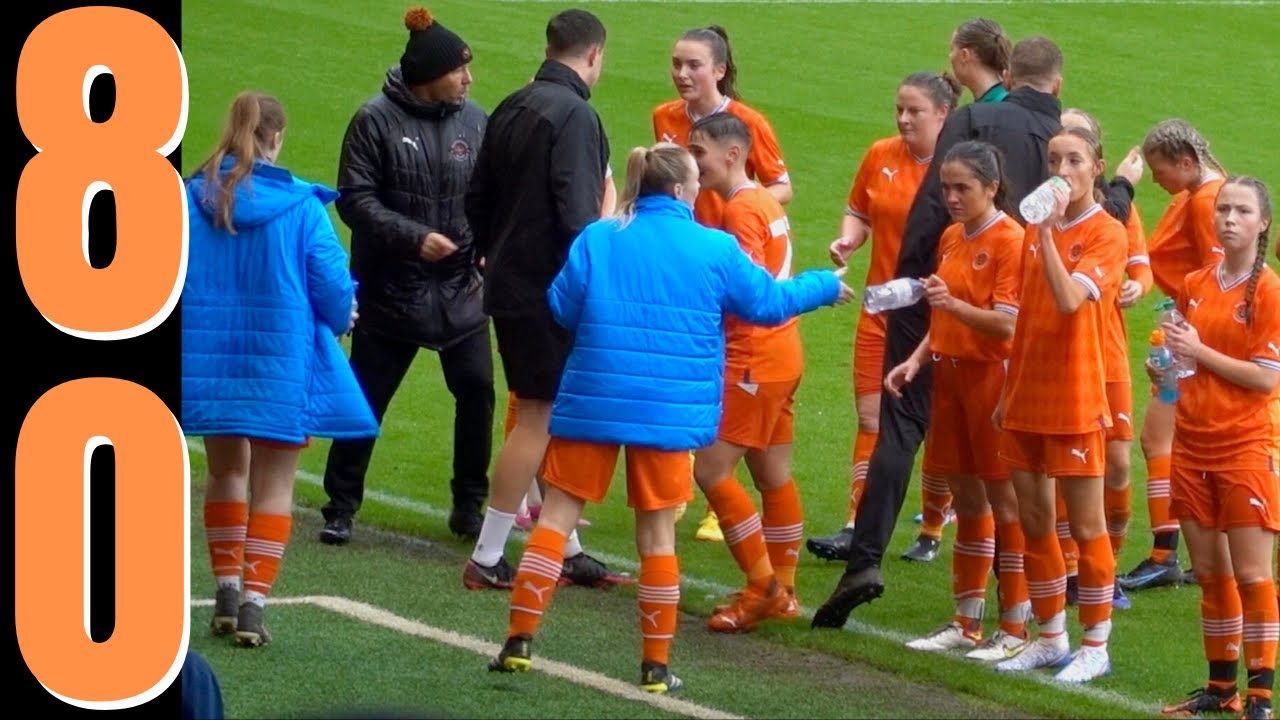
x,y
1169,314
898,293
1163,360
1038,206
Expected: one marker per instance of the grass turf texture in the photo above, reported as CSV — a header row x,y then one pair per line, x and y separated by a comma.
x,y
824,73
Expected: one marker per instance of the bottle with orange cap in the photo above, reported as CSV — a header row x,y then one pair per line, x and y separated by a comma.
x,y
1162,360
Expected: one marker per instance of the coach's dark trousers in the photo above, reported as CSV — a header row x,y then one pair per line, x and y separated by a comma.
x,y
902,426
380,364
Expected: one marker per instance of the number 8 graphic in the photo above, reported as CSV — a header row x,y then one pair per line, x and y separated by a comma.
x,y
133,295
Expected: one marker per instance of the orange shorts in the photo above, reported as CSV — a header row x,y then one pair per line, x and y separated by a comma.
x,y
961,439
868,355
1120,401
757,415
1225,499
1058,456
656,479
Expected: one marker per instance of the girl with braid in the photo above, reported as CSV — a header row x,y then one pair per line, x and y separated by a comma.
x,y
1225,480
1182,242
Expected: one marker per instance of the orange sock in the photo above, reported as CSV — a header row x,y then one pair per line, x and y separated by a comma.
x,y
1164,526
225,527
1261,632
935,495
1097,586
536,580
971,561
264,546
1221,625
1070,550
1046,577
783,530
659,596
1015,602
863,444
742,530
1118,506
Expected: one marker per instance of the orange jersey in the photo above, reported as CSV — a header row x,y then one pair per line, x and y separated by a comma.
x,y
984,270
1057,379
1221,425
1184,239
1138,268
882,193
758,353
671,123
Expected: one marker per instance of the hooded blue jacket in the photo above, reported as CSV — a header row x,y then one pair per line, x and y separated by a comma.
x,y
646,302
261,311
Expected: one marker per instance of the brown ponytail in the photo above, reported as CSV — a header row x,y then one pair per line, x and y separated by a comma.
x,y
651,171
250,128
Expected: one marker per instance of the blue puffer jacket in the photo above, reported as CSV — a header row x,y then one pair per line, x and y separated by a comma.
x,y
261,310
646,304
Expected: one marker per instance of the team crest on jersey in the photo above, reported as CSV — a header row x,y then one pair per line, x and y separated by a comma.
x,y
981,259
1076,252
1237,313
459,150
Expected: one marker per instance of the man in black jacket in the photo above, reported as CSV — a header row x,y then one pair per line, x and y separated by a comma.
x,y
539,181
1020,127
406,161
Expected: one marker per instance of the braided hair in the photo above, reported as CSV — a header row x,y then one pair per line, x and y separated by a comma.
x,y
1260,260
1174,138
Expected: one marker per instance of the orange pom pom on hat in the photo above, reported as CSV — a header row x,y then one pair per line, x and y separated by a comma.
x,y
432,51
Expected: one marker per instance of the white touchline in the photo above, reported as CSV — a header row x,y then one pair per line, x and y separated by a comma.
x,y
853,626
377,616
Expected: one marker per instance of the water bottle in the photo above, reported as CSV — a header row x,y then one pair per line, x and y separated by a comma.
x,y
1169,314
892,295
1038,206
1163,360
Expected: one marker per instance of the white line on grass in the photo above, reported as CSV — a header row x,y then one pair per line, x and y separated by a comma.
x,y
374,615
853,626
910,2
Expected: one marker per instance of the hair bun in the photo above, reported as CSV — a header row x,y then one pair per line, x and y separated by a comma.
x,y
418,19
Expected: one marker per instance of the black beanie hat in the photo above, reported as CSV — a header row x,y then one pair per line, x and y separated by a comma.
x,y
432,51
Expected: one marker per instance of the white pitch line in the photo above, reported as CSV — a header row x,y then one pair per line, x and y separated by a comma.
x,y
374,615
854,626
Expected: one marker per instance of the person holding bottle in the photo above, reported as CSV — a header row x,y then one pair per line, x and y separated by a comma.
x,y
974,306
882,192
1225,482
1054,411
1182,242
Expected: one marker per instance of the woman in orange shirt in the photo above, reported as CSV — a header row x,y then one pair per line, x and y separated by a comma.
x,y
1117,494
882,192
1054,409
1182,242
1223,484
705,77
974,300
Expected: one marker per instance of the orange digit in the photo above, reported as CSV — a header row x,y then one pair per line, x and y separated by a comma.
x,y
146,649
140,287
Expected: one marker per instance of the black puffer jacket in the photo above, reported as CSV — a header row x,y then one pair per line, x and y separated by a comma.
x,y
406,164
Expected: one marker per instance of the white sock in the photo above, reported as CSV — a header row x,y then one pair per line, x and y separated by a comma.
x,y
230,581
572,547
255,597
493,536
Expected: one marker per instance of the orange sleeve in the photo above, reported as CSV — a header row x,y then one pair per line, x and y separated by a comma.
x,y
859,198
657,131
766,154
1008,281
1264,330
748,223
1138,267
1202,235
1102,264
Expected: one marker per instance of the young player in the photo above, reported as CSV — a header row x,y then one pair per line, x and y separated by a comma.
x,y
1054,409
1183,241
617,391
979,58
1224,483
882,192
974,300
705,77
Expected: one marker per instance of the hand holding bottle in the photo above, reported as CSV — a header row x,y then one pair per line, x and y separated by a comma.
x,y
938,295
